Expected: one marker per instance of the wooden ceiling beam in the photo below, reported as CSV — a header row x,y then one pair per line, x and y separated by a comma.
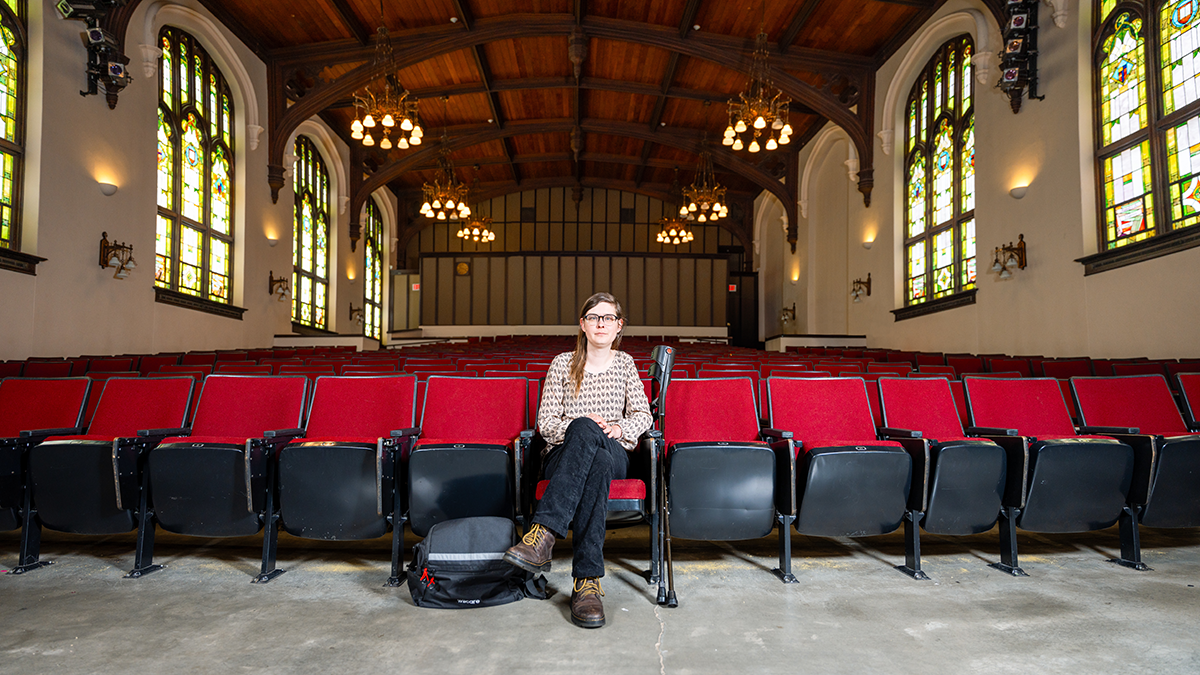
x,y
597,157
689,17
351,22
797,24
485,73
464,14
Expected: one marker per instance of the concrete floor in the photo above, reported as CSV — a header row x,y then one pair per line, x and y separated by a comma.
x,y
850,613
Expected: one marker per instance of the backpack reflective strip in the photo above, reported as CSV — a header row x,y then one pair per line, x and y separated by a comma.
x,y
457,557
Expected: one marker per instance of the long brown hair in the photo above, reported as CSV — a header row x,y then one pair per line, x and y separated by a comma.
x,y
579,358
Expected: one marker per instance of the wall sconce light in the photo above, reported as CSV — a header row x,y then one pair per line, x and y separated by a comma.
x,y
278,286
272,240
118,255
1009,257
107,189
861,288
787,314
356,315
1018,192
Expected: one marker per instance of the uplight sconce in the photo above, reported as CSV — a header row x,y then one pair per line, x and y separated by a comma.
x,y
118,255
278,286
1018,192
272,240
861,288
1009,258
107,189
787,314
356,314
868,243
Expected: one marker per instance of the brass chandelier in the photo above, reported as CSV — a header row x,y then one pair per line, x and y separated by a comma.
x,y
759,110
478,230
673,229
395,107
705,196
446,197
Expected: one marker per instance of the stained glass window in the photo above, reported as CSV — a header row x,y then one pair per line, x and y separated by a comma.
x,y
373,273
310,236
940,180
194,234
12,111
1148,150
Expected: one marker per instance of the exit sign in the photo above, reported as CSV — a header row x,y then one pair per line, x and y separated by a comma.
x,y
733,288
416,287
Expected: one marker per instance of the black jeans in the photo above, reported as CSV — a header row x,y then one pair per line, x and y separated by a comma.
x,y
579,472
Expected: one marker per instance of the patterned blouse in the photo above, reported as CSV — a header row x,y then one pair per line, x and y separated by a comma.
x,y
617,395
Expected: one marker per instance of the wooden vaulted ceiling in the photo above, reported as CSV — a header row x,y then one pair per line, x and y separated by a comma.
x,y
651,90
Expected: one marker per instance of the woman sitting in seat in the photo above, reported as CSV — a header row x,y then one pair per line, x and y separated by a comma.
x,y
592,413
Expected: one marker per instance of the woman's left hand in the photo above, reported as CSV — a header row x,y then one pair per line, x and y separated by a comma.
x,y
614,431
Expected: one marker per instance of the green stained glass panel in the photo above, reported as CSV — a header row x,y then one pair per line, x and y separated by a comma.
x,y
943,260
967,189
15,6
373,280
912,124
165,70
319,304
951,82
916,196
225,119
1183,166
296,298
943,174
191,259
221,199
9,84
1123,81
1128,204
916,272
214,110
162,252
968,253
320,252
166,163
306,313
218,270
924,110
1179,27
937,91
198,82
8,165
306,235
185,82
193,170
1106,8
967,78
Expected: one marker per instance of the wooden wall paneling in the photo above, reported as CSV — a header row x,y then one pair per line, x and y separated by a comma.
x,y
641,237
602,275
512,236
704,294
612,240
533,290
585,284
462,294
551,286
619,281
556,236
445,296
568,310
635,291
584,228
497,296
414,301
542,202
654,291
441,244
570,236
480,282
528,236
687,291
670,295
541,236
720,278
515,316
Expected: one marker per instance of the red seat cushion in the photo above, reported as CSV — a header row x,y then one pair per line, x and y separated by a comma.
x,y
627,488
216,440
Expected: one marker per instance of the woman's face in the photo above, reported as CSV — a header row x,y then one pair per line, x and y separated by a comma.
x,y
600,325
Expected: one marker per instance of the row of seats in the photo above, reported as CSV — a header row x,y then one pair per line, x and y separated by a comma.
x,y
348,462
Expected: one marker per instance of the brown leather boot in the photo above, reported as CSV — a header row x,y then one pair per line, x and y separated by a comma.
x,y
587,610
534,552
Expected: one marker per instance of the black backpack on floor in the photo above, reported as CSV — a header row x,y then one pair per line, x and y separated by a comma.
x,y
460,564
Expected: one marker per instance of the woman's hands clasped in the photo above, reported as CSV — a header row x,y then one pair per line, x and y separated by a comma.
x,y
610,430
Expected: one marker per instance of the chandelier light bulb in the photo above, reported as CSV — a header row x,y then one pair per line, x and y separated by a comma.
x,y
420,133
702,219
368,121
777,124
406,124
673,232
426,207
717,206
683,211
459,234
454,215
740,126
437,203
385,143
357,135
692,207
475,230
737,145
771,144
368,141
491,236
728,132
402,143
784,139
464,210
754,146
414,140
787,129
357,126
441,215
675,240
760,123
727,141
388,121
449,203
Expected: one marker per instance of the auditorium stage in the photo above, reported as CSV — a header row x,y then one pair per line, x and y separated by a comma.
x,y
851,612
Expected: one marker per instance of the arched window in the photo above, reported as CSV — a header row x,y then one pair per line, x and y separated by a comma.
x,y
1148,112
194,235
12,119
939,214
373,273
310,236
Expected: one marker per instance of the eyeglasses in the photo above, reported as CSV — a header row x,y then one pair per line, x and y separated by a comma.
x,y
594,319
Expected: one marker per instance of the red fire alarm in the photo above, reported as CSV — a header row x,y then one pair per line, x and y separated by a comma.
x,y
733,288
416,287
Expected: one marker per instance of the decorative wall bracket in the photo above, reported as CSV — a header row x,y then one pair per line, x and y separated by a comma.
x,y
118,255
